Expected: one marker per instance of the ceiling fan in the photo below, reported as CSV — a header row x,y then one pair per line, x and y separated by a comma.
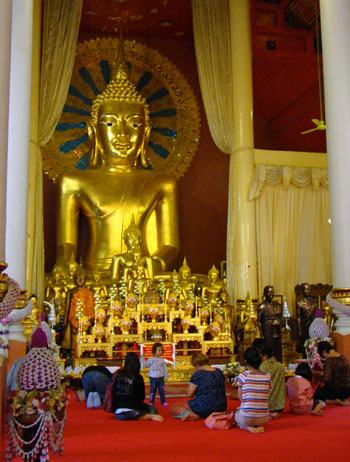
x,y
320,124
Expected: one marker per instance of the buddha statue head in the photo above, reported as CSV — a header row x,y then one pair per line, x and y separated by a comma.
x,y
96,276
80,276
132,236
213,274
120,126
184,271
224,295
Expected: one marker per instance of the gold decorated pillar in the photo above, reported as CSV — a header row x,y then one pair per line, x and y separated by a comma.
x,y
241,233
5,47
35,164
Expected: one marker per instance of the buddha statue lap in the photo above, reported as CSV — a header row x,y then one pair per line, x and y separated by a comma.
x,y
270,320
114,189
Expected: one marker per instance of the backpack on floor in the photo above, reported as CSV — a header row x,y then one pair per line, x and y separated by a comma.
x,y
108,399
220,420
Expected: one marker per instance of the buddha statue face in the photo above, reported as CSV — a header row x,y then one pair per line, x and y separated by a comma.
x,y
58,277
213,275
224,296
185,274
121,132
184,271
132,240
80,279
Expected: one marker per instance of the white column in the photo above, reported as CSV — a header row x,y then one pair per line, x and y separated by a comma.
x,y
5,46
241,239
335,27
18,140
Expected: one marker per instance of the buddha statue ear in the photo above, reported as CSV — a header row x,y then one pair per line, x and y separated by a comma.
x,y
143,155
94,154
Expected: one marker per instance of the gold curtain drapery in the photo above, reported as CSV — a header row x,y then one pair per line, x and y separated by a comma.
x,y
59,38
293,232
211,31
61,19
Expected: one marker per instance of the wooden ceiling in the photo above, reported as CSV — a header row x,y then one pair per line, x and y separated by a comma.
x,y
170,19
285,77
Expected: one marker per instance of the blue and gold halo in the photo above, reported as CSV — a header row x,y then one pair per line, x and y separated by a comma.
x,y
173,108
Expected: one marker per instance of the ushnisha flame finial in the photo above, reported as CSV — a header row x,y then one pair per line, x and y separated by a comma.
x,y
120,88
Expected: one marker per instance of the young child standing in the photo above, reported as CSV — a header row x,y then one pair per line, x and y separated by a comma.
x,y
157,373
300,393
253,391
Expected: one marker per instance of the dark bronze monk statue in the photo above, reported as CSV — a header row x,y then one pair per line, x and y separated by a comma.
x,y
306,311
270,320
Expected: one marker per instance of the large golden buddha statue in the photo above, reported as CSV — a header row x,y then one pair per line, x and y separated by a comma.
x,y
114,188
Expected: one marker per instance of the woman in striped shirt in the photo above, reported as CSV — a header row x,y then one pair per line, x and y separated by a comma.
x,y
253,391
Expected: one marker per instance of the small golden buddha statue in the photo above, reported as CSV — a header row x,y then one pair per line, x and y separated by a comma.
x,y
249,318
56,289
32,319
214,285
227,308
97,287
186,280
114,189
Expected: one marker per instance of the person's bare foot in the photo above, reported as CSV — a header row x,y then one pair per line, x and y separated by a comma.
x,y
331,401
275,415
317,412
342,402
157,418
190,416
255,429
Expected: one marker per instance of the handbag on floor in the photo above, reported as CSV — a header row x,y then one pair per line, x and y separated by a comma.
x,y
220,420
107,401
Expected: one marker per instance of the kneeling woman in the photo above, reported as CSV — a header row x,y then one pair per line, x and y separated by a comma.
x,y
207,387
129,393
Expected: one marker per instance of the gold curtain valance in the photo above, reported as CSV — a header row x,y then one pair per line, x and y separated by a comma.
x,y
288,175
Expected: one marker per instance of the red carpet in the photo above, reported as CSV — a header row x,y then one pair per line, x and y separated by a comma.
x,y
93,435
